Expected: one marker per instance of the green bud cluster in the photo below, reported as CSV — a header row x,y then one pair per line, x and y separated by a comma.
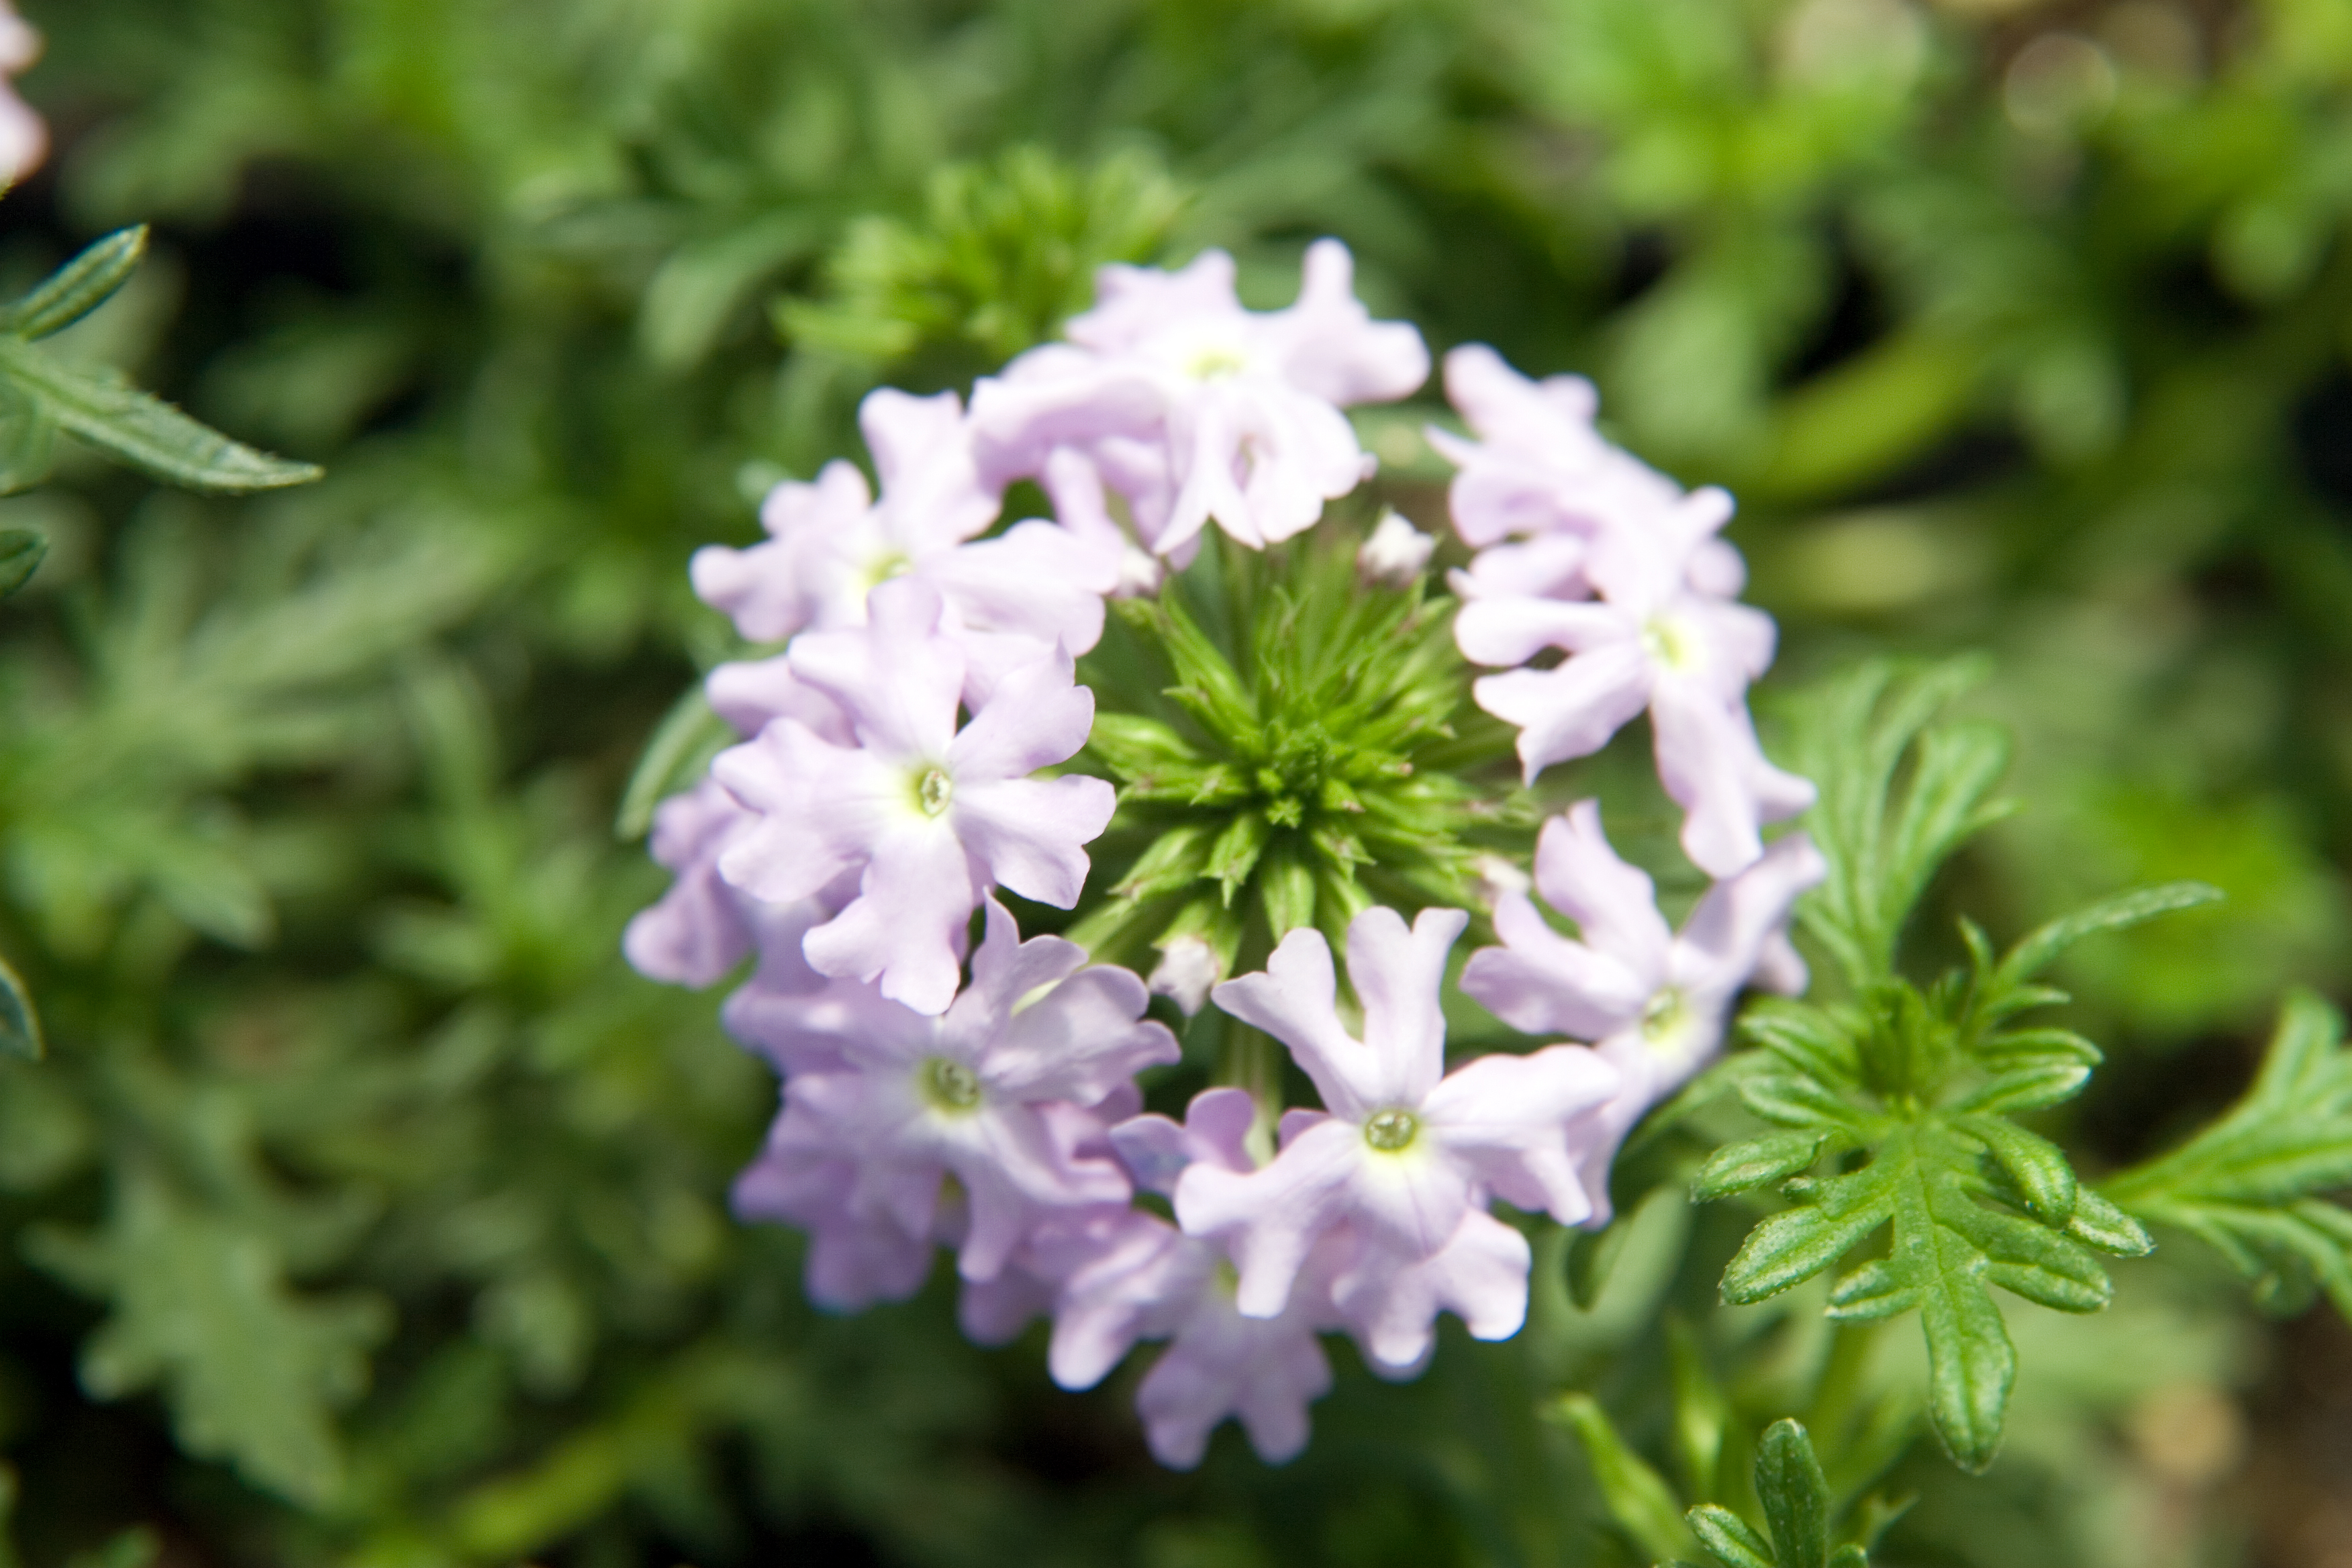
x,y
1291,746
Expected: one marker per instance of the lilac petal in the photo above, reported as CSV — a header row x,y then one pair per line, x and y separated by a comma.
x,y
1724,940
752,693
1509,410
1054,398
922,455
856,1264
1143,1278
895,678
1037,717
1707,763
1391,1301
1541,982
1271,1219
1410,1201
1036,579
1295,1001
901,929
1026,832
1508,629
1330,346
1397,975
1007,969
1570,712
1780,967
1081,1040
759,587
1551,567
992,1312
1615,905
699,930
1010,1169
1155,1151
1222,1364
1503,1115
1133,303
804,837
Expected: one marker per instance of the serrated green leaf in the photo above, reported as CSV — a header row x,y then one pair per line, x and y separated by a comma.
x,y
1948,1248
1796,1496
2032,954
252,1372
2102,1225
1753,1162
102,407
21,552
2038,1167
1883,840
2020,1088
2253,1185
674,759
20,1027
1728,1538
78,288
1636,1496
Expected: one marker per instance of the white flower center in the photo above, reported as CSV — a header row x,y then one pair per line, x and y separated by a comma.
x,y
1663,1019
1392,1130
881,566
949,1086
1670,643
933,790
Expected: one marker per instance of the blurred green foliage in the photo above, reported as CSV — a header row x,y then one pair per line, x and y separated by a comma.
x,y
368,1210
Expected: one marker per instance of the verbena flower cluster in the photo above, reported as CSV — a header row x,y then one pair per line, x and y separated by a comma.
x,y
919,744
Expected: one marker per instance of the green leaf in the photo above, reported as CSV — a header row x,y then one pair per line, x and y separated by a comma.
x,y
1636,1496
1753,1162
1952,1240
20,1027
21,553
2253,1185
677,757
252,1372
104,409
1796,1497
1882,828
2032,954
28,440
78,288
1730,1538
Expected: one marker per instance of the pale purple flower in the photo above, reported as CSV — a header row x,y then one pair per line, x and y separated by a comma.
x,y
1653,642
1539,466
931,816
24,138
803,1178
1134,1277
1390,1300
975,1094
1190,408
1655,1001
700,927
1403,1153
832,543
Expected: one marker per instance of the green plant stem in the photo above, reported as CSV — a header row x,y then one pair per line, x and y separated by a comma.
x,y
1837,1393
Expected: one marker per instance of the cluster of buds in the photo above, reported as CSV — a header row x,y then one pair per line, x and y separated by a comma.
x,y
1297,761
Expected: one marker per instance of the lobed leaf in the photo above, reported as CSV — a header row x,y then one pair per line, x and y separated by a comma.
x,y
78,288
104,409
